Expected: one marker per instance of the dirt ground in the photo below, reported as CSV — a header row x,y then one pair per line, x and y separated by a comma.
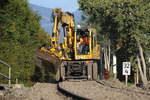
x,y
104,90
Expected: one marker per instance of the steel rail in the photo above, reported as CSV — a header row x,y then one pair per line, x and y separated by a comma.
x,y
122,89
70,94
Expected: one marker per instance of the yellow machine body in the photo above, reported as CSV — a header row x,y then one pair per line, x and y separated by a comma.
x,y
78,48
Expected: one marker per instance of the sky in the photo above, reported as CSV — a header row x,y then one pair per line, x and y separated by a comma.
x,y
66,5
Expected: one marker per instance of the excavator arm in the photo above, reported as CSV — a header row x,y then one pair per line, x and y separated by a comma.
x,y
66,21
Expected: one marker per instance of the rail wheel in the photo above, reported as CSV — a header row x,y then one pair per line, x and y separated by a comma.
x,y
89,71
58,75
94,71
62,74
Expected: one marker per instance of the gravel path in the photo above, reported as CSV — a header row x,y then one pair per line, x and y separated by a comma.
x,y
95,91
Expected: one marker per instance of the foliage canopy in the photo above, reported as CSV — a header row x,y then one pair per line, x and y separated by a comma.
x,y
20,35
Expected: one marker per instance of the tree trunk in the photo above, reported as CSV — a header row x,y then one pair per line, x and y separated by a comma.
x,y
137,74
105,60
144,80
143,60
115,66
109,57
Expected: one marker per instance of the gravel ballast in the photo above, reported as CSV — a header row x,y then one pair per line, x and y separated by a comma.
x,y
101,90
40,91
113,90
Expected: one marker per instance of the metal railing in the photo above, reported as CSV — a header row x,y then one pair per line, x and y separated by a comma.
x,y
9,71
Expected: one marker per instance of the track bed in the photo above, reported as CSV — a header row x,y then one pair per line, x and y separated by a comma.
x,y
104,90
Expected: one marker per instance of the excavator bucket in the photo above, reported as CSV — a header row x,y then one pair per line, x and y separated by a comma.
x,y
49,63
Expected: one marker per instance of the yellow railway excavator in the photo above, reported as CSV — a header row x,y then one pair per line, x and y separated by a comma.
x,y
76,57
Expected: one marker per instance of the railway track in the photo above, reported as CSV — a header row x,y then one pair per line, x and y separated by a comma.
x,y
68,88
80,90
96,90
140,91
70,94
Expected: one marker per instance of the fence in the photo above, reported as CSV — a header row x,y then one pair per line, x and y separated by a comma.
x,y
9,71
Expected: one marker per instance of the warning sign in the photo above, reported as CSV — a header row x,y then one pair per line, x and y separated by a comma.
x,y
126,68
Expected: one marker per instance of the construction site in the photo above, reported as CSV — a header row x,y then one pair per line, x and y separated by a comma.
x,y
89,63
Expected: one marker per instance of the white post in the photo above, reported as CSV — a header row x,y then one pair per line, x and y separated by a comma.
x,y
115,66
126,70
16,80
9,76
137,75
149,72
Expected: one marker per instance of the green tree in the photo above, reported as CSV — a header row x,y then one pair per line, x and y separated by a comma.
x,y
125,23
20,36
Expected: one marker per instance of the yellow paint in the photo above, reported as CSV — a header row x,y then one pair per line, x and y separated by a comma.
x,y
68,47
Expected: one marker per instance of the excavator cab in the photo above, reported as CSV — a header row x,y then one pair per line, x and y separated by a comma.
x,y
86,46
82,42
